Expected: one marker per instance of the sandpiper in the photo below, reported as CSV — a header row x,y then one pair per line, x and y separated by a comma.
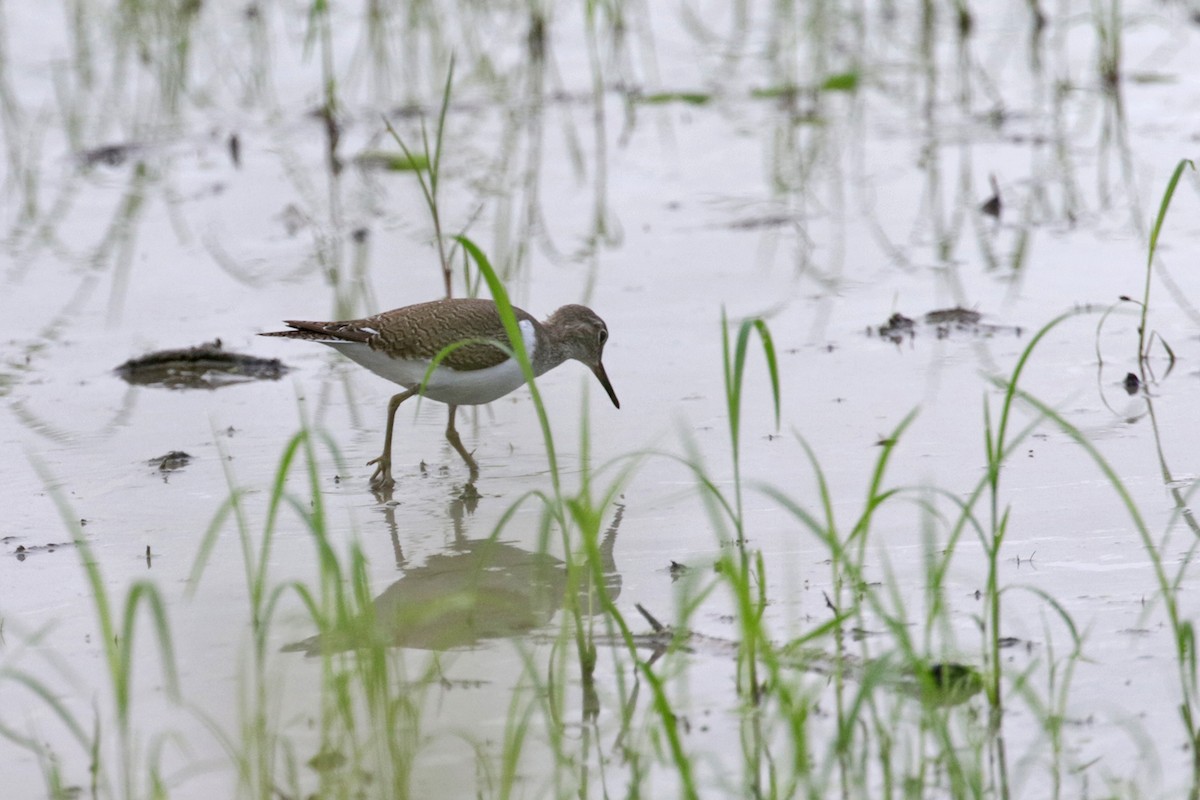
x,y
401,344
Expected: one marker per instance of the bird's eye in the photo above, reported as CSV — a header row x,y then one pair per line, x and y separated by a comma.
x,y
603,336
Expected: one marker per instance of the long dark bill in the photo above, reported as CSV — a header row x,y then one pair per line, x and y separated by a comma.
x,y
602,376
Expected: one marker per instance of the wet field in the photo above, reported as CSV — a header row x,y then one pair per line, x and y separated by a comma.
x,y
897,501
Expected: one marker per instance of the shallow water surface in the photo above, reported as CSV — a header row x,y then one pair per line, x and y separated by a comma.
x,y
176,176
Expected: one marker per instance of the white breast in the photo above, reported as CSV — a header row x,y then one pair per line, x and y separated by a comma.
x,y
445,385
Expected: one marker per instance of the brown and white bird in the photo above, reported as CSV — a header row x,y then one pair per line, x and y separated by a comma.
x,y
401,344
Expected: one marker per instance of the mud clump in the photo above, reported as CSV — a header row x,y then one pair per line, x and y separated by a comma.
x,y
207,366
942,323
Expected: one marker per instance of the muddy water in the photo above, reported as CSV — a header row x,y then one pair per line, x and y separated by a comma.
x,y
152,204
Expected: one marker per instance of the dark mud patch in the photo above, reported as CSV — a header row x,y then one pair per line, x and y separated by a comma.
x,y
169,462
206,366
941,323
111,155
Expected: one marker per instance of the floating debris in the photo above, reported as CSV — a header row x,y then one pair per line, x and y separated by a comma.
x,y
942,684
896,328
953,316
22,552
206,366
1132,383
110,155
945,322
176,459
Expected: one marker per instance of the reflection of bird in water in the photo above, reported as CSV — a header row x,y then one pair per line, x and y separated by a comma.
x,y
478,589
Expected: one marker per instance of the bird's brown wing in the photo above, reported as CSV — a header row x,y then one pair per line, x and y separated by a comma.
x,y
423,335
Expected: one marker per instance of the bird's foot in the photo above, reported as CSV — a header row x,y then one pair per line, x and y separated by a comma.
x,y
381,478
